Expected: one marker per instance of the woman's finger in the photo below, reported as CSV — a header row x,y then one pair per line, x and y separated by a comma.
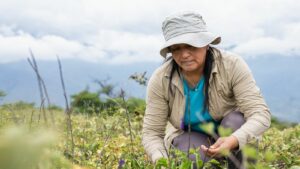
x,y
217,143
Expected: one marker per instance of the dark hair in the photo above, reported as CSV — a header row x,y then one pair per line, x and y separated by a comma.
x,y
207,72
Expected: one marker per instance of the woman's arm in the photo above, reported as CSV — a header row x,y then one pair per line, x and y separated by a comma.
x,y
155,119
250,102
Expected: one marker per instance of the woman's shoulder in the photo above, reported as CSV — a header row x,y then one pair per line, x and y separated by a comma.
x,y
228,59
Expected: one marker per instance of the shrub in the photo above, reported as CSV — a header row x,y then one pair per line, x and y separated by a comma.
x,y
55,107
2,93
136,105
86,102
19,105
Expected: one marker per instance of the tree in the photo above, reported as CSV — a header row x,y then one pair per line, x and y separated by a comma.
x,y
2,94
19,105
86,101
136,105
105,88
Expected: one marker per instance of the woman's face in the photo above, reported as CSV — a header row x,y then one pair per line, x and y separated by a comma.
x,y
190,59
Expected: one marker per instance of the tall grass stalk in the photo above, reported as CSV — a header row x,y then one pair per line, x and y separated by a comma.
x,y
67,110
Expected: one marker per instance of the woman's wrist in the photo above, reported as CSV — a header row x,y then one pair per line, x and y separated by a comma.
x,y
234,142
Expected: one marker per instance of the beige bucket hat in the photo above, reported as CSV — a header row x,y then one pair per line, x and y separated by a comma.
x,y
187,28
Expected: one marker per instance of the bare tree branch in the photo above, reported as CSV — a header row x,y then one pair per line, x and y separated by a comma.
x,y
35,68
67,110
41,83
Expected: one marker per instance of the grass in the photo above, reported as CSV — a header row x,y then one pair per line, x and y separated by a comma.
x,y
103,141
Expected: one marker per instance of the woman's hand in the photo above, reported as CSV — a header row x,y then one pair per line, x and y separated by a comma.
x,y
222,146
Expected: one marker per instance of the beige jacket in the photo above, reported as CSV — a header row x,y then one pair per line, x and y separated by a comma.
x,y
232,87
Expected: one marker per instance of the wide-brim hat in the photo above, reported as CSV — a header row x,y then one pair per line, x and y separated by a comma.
x,y
186,28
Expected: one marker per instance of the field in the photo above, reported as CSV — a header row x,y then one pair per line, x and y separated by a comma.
x,y
111,139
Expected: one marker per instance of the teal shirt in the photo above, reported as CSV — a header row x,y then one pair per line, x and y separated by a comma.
x,y
195,99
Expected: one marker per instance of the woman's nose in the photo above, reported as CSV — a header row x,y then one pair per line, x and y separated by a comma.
x,y
185,52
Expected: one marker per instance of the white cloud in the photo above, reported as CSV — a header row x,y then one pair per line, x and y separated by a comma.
x,y
106,47
17,47
286,44
120,31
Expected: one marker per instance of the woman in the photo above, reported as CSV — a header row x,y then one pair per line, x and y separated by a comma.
x,y
198,84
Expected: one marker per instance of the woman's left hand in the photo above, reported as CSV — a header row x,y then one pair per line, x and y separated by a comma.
x,y
222,146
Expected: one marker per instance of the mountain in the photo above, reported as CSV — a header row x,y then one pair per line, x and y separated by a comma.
x,y
19,81
277,76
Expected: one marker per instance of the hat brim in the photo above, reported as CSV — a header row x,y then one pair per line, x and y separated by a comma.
x,y
198,40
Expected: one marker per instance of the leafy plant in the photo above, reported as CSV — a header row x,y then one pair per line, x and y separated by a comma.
x,y
86,102
2,94
19,105
103,141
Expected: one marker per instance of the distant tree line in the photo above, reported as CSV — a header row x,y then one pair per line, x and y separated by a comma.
x,y
105,100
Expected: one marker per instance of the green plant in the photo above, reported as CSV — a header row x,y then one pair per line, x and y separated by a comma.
x,y
19,105
86,102
55,107
2,93
21,149
103,141
136,105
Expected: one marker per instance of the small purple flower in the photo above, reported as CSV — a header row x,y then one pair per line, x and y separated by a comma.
x,y
182,124
121,163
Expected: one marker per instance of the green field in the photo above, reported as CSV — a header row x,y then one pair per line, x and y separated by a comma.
x,y
30,140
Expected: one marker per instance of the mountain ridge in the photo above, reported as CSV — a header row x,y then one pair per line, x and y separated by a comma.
x,y
277,76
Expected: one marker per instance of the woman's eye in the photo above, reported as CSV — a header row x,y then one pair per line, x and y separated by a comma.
x,y
174,49
191,48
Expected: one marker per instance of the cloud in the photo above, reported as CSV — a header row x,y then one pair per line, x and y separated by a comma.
x,y
106,47
120,31
286,44
17,47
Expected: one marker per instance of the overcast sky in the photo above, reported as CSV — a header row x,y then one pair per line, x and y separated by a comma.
x,y
126,31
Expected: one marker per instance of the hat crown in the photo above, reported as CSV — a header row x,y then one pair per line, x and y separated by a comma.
x,y
182,23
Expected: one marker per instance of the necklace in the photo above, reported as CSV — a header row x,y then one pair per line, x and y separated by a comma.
x,y
193,85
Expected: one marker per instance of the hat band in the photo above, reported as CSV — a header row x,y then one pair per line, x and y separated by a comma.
x,y
175,34
172,30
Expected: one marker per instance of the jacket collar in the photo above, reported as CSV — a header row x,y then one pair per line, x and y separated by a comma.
x,y
214,70
176,79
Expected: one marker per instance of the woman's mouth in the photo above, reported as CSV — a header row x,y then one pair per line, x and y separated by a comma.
x,y
187,63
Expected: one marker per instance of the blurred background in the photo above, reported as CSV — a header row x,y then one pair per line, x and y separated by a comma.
x,y
111,40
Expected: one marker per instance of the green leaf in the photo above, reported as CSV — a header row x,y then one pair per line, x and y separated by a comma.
x,y
186,164
250,152
199,162
162,162
215,162
208,128
224,132
269,156
260,166
135,164
286,160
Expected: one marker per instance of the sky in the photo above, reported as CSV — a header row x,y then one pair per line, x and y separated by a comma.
x,y
129,31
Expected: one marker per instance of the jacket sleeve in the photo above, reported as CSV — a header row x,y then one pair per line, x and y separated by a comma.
x,y
250,102
155,119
